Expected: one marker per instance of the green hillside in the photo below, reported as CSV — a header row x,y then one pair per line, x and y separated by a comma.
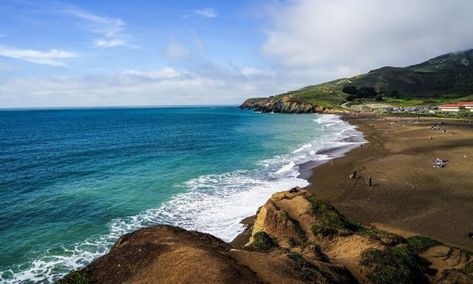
x,y
445,78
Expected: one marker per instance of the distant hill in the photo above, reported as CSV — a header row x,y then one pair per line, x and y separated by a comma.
x,y
448,77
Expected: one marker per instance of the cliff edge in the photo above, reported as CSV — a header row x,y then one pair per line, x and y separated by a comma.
x,y
294,238
280,104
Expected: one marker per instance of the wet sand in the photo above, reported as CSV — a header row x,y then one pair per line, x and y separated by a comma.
x,y
408,195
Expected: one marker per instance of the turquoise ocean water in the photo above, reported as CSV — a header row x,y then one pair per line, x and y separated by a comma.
x,y
72,181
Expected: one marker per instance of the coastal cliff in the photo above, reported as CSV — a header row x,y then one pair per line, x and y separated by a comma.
x,y
441,79
280,105
294,238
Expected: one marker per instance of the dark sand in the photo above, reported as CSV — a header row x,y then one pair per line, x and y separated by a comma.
x,y
409,196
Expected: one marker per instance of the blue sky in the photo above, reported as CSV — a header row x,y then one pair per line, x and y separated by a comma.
x,y
117,53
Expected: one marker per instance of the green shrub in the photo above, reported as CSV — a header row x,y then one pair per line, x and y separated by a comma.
x,y
419,244
469,268
350,89
304,269
74,277
327,215
263,241
386,237
394,265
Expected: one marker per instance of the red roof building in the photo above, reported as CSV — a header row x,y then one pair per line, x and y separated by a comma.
x,y
457,106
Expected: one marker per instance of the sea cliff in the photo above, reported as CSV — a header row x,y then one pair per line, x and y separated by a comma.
x,y
280,105
294,238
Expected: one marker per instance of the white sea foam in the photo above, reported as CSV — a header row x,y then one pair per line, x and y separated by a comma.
x,y
213,203
305,146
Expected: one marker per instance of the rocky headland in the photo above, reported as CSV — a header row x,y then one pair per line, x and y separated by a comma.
x,y
441,79
294,238
280,104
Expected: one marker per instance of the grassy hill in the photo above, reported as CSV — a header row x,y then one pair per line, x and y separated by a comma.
x,y
448,77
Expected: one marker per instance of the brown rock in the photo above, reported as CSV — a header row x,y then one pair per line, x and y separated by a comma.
x,y
166,254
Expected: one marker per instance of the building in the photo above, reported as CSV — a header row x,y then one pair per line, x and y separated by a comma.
x,y
468,106
450,107
456,107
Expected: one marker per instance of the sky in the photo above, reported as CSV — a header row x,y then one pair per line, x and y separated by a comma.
x,y
151,53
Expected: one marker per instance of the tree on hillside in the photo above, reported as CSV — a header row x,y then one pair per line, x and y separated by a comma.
x,y
350,89
367,92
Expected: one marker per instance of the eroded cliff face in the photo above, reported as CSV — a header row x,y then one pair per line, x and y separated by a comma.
x,y
298,222
280,104
294,238
166,254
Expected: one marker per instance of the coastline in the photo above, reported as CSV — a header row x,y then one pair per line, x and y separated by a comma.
x,y
306,172
408,203
408,196
291,232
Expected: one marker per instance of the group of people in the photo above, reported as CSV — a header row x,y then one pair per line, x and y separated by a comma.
x,y
437,127
439,163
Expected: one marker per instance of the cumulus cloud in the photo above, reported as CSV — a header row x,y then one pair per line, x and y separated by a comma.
x,y
320,40
206,13
52,57
110,29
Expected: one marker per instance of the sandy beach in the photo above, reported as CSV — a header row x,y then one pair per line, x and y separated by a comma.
x,y
408,196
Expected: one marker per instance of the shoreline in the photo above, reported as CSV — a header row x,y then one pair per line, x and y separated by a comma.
x,y
409,196
392,204
306,172
338,245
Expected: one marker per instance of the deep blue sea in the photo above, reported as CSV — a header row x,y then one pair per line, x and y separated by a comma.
x,y
72,181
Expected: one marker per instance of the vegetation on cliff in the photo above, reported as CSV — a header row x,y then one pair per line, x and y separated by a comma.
x,y
447,77
283,247
371,255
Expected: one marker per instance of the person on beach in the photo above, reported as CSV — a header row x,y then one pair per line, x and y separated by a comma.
x,y
354,174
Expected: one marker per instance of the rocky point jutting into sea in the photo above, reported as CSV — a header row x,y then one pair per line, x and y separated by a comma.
x,y
280,105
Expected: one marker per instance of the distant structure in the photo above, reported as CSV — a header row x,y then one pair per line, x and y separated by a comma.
x,y
457,107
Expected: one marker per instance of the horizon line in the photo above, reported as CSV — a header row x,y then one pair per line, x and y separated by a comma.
x,y
114,107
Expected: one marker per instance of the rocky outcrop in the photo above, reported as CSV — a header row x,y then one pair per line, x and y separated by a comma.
x,y
294,238
298,222
167,254
280,104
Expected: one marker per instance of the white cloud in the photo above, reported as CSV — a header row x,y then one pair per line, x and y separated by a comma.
x,y
249,71
206,12
205,84
110,29
163,73
175,51
319,40
51,57
109,43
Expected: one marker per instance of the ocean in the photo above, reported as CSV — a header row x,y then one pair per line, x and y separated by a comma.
x,y
73,180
